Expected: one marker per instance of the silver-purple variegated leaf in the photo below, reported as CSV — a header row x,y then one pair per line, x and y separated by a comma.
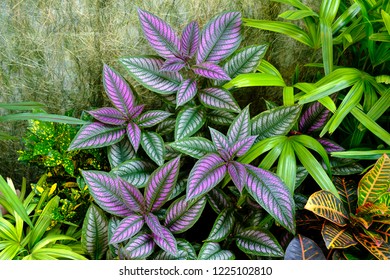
x,y
213,251
113,223
218,200
108,115
160,184
259,243
161,235
134,134
220,117
185,251
118,90
190,39
269,191
105,190
205,175
219,140
237,172
146,71
166,126
160,35
135,171
136,111
131,196
173,65
218,98
189,121
330,146
240,127
274,122
186,92
210,71
140,246
153,145
219,38
242,146
127,228
195,147
120,152
223,226
182,215
313,118
151,118
96,135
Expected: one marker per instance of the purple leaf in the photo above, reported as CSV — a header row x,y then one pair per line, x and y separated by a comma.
x,y
218,200
160,184
97,135
108,115
314,118
152,118
259,243
272,194
190,39
205,175
217,98
240,128
223,226
189,121
105,190
173,65
220,38
136,111
131,196
120,152
220,141
161,235
182,215
127,228
146,71
153,145
160,35
186,92
140,246
134,134
195,147
238,174
211,71
242,146
330,146
118,91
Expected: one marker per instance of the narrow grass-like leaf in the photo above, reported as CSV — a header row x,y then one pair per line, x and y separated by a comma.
x,y
189,121
195,147
213,251
97,135
297,14
8,231
104,188
336,237
94,238
120,152
303,248
259,243
273,195
365,155
287,166
151,118
186,92
220,99
140,246
160,184
41,117
182,215
134,171
326,205
254,80
153,145
108,115
223,226
242,146
127,228
262,147
190,39
210,71
219,38
146,71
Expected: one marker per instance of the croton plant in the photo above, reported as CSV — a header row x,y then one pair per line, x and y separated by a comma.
x,y
170,165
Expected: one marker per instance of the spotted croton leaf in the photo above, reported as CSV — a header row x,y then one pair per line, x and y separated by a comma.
x,y
118,90
213,251
238,174
223,226
131,196
159,34
210,71
146,71
108,115
140,246
160,184
120,152
173,65
303,248
219,38
190,39
127,228
205,175
161,235
219,140
151,118
153,145
104,188
218,98
259,242
189,121
186,92
96,135
135,171
182,215
195,147
134,134
269,191
240,127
